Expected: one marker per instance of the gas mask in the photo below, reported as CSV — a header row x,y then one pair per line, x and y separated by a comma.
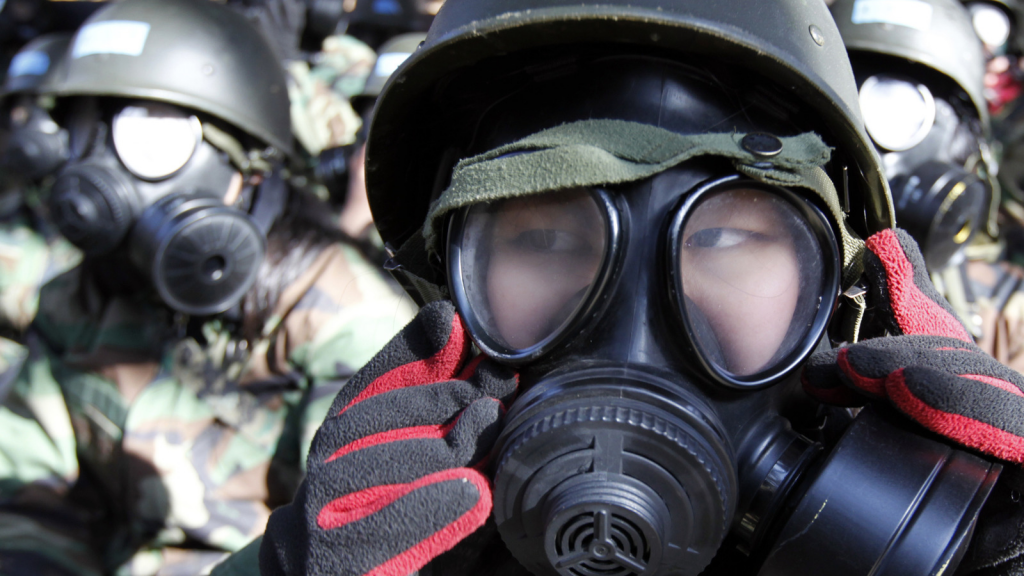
x,y
144,182
659,281
37,146
933,173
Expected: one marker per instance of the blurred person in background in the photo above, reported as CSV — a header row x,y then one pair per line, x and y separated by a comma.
x,y
174,379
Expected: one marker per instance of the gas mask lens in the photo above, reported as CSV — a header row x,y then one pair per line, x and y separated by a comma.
x,y
898,113
526,266
154,141
750,276
991,24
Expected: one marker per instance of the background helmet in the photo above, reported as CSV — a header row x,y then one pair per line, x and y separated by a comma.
x,y
36,145
390,56
420,122
189,53
375,21
937,34
35,63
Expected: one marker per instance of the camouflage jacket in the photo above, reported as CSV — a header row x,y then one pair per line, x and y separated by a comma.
x,y
31,253
321,114
130,449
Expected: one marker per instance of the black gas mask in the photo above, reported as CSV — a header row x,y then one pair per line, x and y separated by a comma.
x,y
144,182
36,146
932,158
659,326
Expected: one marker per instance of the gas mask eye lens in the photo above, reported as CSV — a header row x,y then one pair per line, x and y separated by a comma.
x,y
991,24
154,141
525,266
751,271
898,113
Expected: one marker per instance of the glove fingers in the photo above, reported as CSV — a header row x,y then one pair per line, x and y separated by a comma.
x,y
428,404
822,380
432,348
982,412
915,304
869,363
394,530
402,455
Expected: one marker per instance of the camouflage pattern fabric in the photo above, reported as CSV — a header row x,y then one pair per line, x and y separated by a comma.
x,y
322,116
987,292
130,449
31,253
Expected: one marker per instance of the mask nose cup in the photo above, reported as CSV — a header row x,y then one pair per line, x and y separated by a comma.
x,y
588,471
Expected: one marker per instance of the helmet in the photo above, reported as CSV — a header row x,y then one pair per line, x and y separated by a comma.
x,y
935,33
190,53
34,63
390,56
417,126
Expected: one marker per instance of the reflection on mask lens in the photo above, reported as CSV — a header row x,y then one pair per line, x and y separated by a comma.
x,y
155,140
751,274
528,263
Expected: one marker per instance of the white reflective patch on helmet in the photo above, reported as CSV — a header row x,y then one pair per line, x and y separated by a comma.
x,y
124,37
388,62
155,140
33,63
897,113
910,13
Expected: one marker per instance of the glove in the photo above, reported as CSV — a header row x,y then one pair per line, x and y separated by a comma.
x,y
931,370
393,473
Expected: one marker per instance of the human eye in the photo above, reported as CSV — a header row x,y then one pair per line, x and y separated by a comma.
x,y
721,238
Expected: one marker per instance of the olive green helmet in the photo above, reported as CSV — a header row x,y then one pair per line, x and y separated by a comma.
x,y
935,33
794,42
191,53
35,63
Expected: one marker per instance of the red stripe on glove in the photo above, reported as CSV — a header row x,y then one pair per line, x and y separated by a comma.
x,y
998,383
412,433
361,504
875,386
438,368
962,429
915,312
446,538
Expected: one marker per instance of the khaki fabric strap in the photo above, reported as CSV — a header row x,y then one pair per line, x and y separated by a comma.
x,y
593,153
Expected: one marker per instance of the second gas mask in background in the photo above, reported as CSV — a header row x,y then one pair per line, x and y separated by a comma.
x,y
144,180
919,68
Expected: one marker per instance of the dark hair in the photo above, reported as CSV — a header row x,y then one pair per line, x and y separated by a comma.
x,y
294,242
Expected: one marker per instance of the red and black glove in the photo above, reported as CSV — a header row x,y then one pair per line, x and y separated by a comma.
x,y
930,369
393,473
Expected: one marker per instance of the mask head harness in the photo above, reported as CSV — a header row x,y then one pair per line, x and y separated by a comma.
x,y
151,180
658,290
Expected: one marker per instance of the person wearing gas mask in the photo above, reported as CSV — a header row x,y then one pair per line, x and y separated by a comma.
x,y
921,93
31,249
175,378
647,218
342,168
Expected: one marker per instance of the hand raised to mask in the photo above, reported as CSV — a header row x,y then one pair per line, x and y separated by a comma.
x,y
393,478
930,370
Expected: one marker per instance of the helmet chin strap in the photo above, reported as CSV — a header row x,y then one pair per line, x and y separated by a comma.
x,y
269,204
